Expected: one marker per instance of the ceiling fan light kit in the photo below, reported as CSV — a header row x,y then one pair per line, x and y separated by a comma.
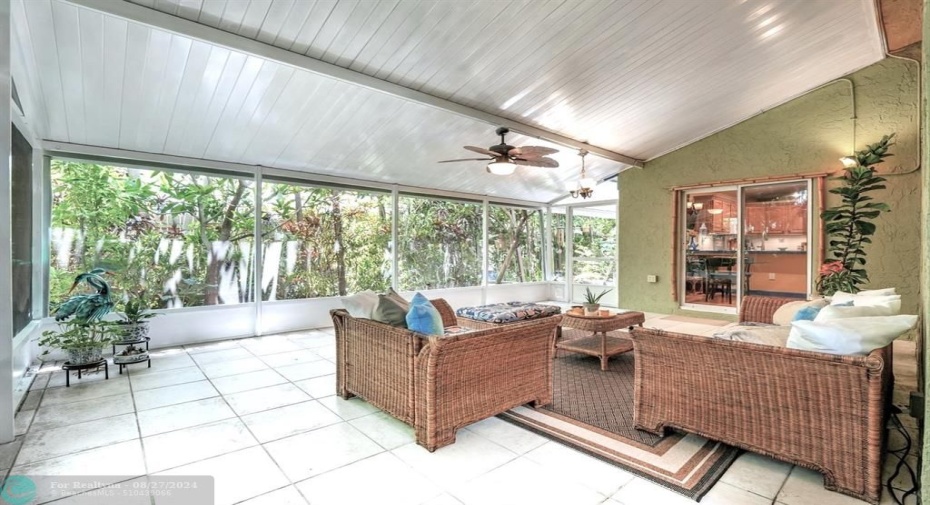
x,y
501,167
504,158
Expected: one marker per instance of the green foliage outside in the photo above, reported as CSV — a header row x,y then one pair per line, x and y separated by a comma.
x,y
595,246
169,239
439,243
179,240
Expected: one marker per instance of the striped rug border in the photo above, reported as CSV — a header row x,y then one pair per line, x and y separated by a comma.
x,y
720,455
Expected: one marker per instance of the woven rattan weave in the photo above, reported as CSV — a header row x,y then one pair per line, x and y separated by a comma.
x,y
439,384
820,411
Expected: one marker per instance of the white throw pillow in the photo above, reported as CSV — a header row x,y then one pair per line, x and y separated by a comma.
x,y
361,304
785,314
877,292
860,300
831,312
857,336
766,335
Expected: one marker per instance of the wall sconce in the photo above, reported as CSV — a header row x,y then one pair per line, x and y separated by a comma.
x,y
849,162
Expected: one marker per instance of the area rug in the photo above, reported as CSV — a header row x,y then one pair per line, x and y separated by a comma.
x,y
592,410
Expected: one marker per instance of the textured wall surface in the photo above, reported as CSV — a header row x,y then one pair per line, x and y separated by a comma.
x,y
807,134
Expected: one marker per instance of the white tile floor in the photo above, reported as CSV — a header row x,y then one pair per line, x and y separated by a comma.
x,y
260,415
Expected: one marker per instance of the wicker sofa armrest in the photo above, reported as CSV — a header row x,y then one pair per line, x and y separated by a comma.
x,y
376,362
821,411
760,309
475,375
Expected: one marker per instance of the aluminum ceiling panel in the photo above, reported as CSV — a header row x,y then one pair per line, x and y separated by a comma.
x,y
636,77
115,83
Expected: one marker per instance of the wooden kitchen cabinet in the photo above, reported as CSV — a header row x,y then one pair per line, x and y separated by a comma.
x,y
777,218
797,219
755,218
716,223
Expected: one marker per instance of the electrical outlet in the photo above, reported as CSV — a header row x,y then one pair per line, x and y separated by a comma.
x,y
771,276
652,278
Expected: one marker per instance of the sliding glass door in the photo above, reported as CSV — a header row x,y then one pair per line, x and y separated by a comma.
x,y
741,240
711,248
777,256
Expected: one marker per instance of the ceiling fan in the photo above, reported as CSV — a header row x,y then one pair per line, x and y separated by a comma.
x,y
504,158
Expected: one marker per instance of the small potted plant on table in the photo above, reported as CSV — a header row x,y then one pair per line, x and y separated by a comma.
x,y
592,302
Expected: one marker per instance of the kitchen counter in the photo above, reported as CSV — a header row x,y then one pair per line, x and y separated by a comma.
x,y
775,252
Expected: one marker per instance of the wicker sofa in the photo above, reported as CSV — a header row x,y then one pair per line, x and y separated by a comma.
x,y
819,411
439,384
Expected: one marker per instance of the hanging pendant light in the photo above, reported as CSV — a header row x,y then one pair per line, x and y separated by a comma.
x,y
583,187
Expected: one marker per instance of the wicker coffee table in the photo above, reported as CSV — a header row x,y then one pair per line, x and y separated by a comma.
x,y
600,344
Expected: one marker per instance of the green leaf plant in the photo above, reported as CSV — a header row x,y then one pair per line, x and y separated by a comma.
x,y
848,226
591,299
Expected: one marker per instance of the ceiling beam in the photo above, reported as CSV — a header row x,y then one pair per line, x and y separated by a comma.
x,y
184,27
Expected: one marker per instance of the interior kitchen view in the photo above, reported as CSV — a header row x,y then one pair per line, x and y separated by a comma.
x,y
745,239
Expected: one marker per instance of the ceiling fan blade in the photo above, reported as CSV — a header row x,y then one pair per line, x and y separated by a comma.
x,y
465,159
481,150
532,151
537,162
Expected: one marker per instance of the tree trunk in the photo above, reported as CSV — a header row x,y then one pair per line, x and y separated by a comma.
x,y
212,288
340,250
513,247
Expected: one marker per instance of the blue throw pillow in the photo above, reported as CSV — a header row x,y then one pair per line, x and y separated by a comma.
x,y
423,317
806,314
809,313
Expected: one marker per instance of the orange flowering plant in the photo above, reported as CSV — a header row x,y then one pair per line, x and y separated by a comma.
x,y
835,277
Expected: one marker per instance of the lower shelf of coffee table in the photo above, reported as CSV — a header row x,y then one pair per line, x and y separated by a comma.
x,y
592,345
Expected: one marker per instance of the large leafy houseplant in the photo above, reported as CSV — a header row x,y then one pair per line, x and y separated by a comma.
x,y
849,226
84,341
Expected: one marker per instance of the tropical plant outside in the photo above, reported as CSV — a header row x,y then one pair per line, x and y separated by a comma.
x,y
174,239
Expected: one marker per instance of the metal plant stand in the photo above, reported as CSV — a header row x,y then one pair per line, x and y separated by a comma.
x,y
124,360
68,367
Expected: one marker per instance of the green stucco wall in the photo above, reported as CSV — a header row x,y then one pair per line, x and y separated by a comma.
x,y
806,135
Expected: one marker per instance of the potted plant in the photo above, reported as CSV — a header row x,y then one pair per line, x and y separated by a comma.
x,y
592,302
133,323
83,341
133,328
82,334
849,226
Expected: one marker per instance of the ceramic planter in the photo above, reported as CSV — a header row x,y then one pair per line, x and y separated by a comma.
x,y
84,355
590,309
133,332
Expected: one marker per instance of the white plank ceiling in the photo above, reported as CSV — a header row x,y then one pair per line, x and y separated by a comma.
x,y
636,77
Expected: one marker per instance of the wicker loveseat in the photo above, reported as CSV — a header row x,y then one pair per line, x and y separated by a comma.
x,y
819,411
439,384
